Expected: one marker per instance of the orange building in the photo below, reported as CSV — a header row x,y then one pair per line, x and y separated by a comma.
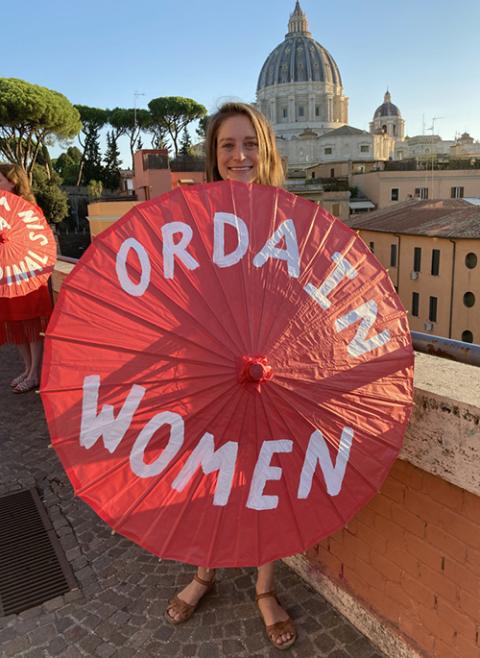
x,y
432,252
152,178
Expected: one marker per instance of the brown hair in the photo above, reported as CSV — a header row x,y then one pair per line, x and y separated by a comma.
x,y
270,169
19,178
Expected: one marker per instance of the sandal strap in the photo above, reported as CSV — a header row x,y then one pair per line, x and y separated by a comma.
x,y
182,607
202,581
265,595
281,627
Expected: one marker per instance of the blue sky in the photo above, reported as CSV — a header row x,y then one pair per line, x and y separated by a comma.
x,y
99,53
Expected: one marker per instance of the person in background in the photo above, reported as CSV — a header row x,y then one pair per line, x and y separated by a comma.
x,y
240,145
23,319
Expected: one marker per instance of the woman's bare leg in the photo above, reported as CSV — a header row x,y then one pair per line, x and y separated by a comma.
x,y
25,353
271,610
36,353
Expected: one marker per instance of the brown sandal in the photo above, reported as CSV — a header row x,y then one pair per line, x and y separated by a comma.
x,y
274,631
185,609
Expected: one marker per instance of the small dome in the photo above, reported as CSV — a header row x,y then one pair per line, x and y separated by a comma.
x,y
299,58
387,108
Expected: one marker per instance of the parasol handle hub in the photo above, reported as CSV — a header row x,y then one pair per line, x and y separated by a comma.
x,y
255,369
3,237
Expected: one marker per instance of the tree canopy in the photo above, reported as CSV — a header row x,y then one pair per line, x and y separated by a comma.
x,y
129,122
30,115
93,120
173,114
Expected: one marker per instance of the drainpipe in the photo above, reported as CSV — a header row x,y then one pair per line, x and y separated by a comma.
x,y
398,262
451,289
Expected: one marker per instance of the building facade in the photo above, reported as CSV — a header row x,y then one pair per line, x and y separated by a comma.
x,y
388,188
432,252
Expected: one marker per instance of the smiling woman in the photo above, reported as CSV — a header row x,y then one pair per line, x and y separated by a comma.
x,y
241,146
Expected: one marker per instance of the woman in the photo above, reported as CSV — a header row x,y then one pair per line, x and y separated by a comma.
x,y
23,319
240,146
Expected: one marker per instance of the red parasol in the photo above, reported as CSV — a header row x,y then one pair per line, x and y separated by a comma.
x,y
227,375
27,246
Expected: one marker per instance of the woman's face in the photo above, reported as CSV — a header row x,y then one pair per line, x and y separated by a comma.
x,y
5,184
237,149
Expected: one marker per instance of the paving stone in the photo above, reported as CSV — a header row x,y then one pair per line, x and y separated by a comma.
x,y
42,635
54,604
324,642
208,650
339,653
56,646
15,646
232,647
105,650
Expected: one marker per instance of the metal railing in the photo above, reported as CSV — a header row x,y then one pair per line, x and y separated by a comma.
x,y
447,348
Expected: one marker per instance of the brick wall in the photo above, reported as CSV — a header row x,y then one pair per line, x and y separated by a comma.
x,y
413,557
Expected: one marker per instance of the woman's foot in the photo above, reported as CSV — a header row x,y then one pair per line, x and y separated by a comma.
x,y
183,605
26,385
279,627
18,379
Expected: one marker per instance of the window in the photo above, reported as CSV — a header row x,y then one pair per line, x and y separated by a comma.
x,y
327,150
435,262
432,311
332,173
471,260
285,113
394,194
394,130
415,303
313,174
301,111
417,259
364,148
400,155
456,192
155,161
467,336
393,255
469,299
336,209
421,192
372,247
317,110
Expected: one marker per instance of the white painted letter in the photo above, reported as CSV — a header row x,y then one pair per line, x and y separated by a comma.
x,y
170,249
290,254
134,289
93,425
264,472
317,452
175,442
28,216
4,203
19,272
38,236
219,257
359,345
343,269
205,455
4,223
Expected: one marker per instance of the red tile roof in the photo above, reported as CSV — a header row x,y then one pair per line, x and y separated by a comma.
x,y
446,218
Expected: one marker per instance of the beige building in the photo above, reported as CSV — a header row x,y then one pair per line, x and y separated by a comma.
x,y
335,202
432,252
387,188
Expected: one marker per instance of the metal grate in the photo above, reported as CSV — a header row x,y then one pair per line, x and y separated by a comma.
x,y
33,568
